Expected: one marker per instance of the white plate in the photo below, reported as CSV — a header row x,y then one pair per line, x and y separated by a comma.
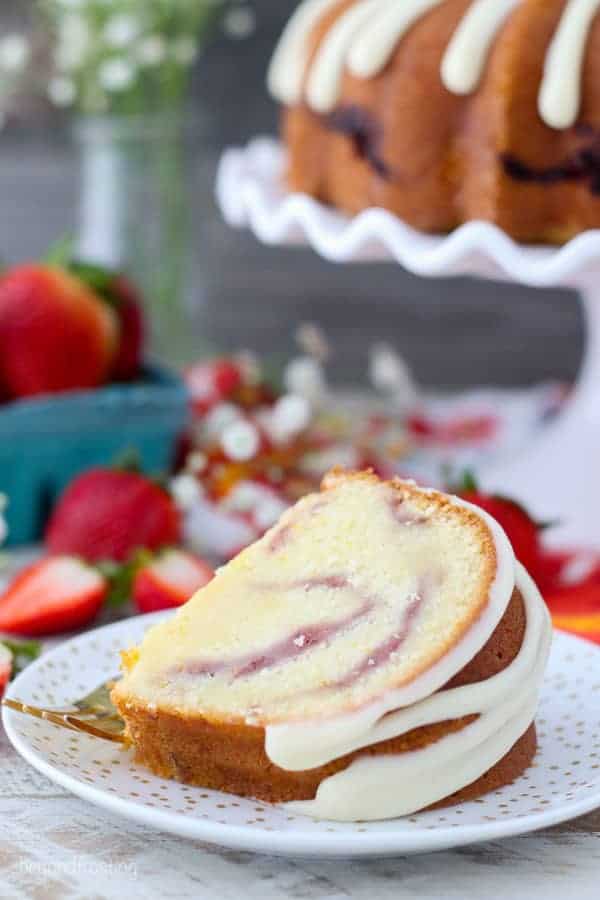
x,y
563,782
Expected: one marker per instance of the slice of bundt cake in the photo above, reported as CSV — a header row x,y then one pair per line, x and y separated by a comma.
x,y
444,111
376,652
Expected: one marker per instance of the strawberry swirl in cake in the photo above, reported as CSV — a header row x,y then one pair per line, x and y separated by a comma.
x,y
377,652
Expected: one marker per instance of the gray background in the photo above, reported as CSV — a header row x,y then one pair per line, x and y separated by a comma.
x,y
453,332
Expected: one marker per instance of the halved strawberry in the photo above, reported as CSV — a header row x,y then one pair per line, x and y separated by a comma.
x,y
169,580
56,594
6,659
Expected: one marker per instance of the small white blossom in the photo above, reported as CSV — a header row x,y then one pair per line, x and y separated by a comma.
x,y
391,375
243,497
151,51
304,376
62,91
184,50
14,52
115,74
312,340
218,418
121,30
290,415
186,491
240,441
239,22
196,462
300,640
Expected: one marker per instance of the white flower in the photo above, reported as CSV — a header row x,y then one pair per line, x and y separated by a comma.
x,y
14,52
219,417
239,22
290,415
186,491
62,91
390,374
312,340
240,441
304,376
196,462
115,74
121,30
151,51
184,50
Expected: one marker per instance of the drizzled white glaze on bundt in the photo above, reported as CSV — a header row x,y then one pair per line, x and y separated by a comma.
x,y
338,629
386,786
364,38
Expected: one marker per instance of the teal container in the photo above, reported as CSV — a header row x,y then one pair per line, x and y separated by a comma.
x,y
46,441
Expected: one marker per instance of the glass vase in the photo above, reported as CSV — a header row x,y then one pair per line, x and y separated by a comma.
x,y
135,214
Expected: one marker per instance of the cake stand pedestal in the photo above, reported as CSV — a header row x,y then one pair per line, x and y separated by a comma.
x,y
558,476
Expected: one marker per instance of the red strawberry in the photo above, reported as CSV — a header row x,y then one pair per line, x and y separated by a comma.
x,y
107,514
169,580
521,530
128,360
57,594
6,660
55,333
212,382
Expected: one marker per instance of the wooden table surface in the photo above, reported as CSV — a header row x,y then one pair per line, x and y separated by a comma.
x,y
54,846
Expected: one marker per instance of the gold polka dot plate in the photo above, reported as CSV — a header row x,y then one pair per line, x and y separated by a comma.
x,y
563,782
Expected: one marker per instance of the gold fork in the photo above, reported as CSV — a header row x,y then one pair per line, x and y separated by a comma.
x,y
94,714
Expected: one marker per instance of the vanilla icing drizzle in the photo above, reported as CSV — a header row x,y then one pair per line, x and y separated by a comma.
x,y
384,786
364,37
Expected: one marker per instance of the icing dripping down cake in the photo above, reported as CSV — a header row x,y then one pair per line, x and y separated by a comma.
x,y
378,651
445,111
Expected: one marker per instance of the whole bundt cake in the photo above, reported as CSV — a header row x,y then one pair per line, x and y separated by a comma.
x,y
445,111
378,651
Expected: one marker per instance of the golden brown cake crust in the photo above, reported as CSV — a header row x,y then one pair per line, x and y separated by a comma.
x,y
452,159
231,756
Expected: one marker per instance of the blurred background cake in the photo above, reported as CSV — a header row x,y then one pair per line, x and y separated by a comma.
x,y
444,111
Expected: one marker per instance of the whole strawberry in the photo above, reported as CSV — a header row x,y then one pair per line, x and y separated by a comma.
x,y
128,306
122,297
108,514
56,334
522,531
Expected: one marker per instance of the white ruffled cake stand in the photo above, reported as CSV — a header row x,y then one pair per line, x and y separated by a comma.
x,y
558,477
